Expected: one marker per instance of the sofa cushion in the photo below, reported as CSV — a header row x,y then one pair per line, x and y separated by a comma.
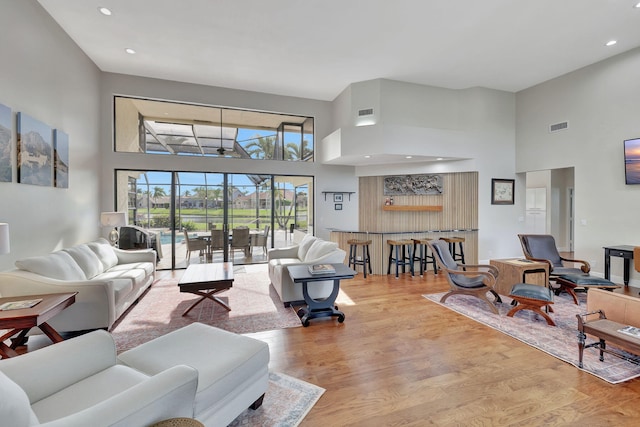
x,y
304,245
148,267
57,265
105,253
320,248
86,259
15,409
87,392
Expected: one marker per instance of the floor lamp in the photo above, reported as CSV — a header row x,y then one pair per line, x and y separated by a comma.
x,y
115,220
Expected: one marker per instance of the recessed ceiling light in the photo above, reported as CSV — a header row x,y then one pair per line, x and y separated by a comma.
x,y
408,157
611,42
637,5
367,156
440,158
130,51
104,11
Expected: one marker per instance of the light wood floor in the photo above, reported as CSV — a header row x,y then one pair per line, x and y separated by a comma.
x,y
399,359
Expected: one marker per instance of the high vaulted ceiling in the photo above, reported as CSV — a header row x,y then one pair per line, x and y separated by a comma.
x,y
316,48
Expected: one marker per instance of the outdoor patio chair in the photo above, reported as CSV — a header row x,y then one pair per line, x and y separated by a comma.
x,y
240,241
195,244
261,239
217,240
465,279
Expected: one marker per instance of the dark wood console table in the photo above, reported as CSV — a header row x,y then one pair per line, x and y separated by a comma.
x,y
319,307
19,322
622,251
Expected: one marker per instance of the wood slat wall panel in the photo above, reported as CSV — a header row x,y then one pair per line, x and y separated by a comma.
x,y
459,203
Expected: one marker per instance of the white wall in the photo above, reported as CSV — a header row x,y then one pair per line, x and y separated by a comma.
x,y
475,124
601,102
45,75
328,178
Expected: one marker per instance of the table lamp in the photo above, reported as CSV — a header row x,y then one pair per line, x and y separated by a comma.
x,y
4,238
115,220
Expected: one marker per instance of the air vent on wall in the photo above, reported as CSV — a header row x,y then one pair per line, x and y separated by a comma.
x,y
365,112
559,126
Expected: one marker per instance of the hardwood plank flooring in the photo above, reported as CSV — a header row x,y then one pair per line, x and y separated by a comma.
x,y
399,359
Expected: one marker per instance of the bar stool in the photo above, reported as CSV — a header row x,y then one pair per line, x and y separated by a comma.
x,y
423,258
452,248
365,260
401,258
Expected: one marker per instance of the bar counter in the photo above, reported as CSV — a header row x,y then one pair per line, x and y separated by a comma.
x,y
379,249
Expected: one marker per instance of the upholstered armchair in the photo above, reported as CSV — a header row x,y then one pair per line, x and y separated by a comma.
x,y
465,279
542,248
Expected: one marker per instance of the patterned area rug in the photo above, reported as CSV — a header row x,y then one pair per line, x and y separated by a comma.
x,y
286,403
255,306
560,341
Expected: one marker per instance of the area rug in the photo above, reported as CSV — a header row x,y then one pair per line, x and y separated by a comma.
x,y
287,401
255,307
560,341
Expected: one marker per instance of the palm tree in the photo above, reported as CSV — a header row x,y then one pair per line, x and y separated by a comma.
x,y
296,152
261,147
217,195
281,214
157,193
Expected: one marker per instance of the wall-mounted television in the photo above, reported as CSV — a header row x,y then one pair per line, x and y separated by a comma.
x,y
632,161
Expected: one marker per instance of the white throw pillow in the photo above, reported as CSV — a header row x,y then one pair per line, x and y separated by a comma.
x,y
105,253
304,245
15,409
86,259
319,249
57,265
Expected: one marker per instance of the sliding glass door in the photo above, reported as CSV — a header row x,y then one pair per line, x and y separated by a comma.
x,y
175,208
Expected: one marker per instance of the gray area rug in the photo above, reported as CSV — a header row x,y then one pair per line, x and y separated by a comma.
x,y
560,341
287,401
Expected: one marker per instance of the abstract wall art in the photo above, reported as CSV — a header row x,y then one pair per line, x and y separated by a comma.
x,y
412,185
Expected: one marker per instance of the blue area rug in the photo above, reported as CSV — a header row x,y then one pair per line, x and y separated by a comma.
x,y
560,341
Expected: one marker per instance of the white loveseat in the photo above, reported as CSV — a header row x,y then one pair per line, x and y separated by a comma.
x,y
311,250
108,281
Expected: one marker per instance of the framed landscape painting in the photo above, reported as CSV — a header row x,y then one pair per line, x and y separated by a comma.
x,y
6,170
35,151
61,159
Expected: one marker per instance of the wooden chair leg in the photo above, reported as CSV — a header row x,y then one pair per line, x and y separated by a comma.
x,y
535,309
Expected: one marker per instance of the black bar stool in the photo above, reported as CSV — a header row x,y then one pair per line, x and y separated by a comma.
x,y
365,260
423,256
457,256
400,247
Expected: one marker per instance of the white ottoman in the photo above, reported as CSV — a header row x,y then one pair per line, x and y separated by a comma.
x,y
233,372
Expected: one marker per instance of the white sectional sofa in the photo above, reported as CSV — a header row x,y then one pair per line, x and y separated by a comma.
x,y
311,250
80,382
198,371
108,281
